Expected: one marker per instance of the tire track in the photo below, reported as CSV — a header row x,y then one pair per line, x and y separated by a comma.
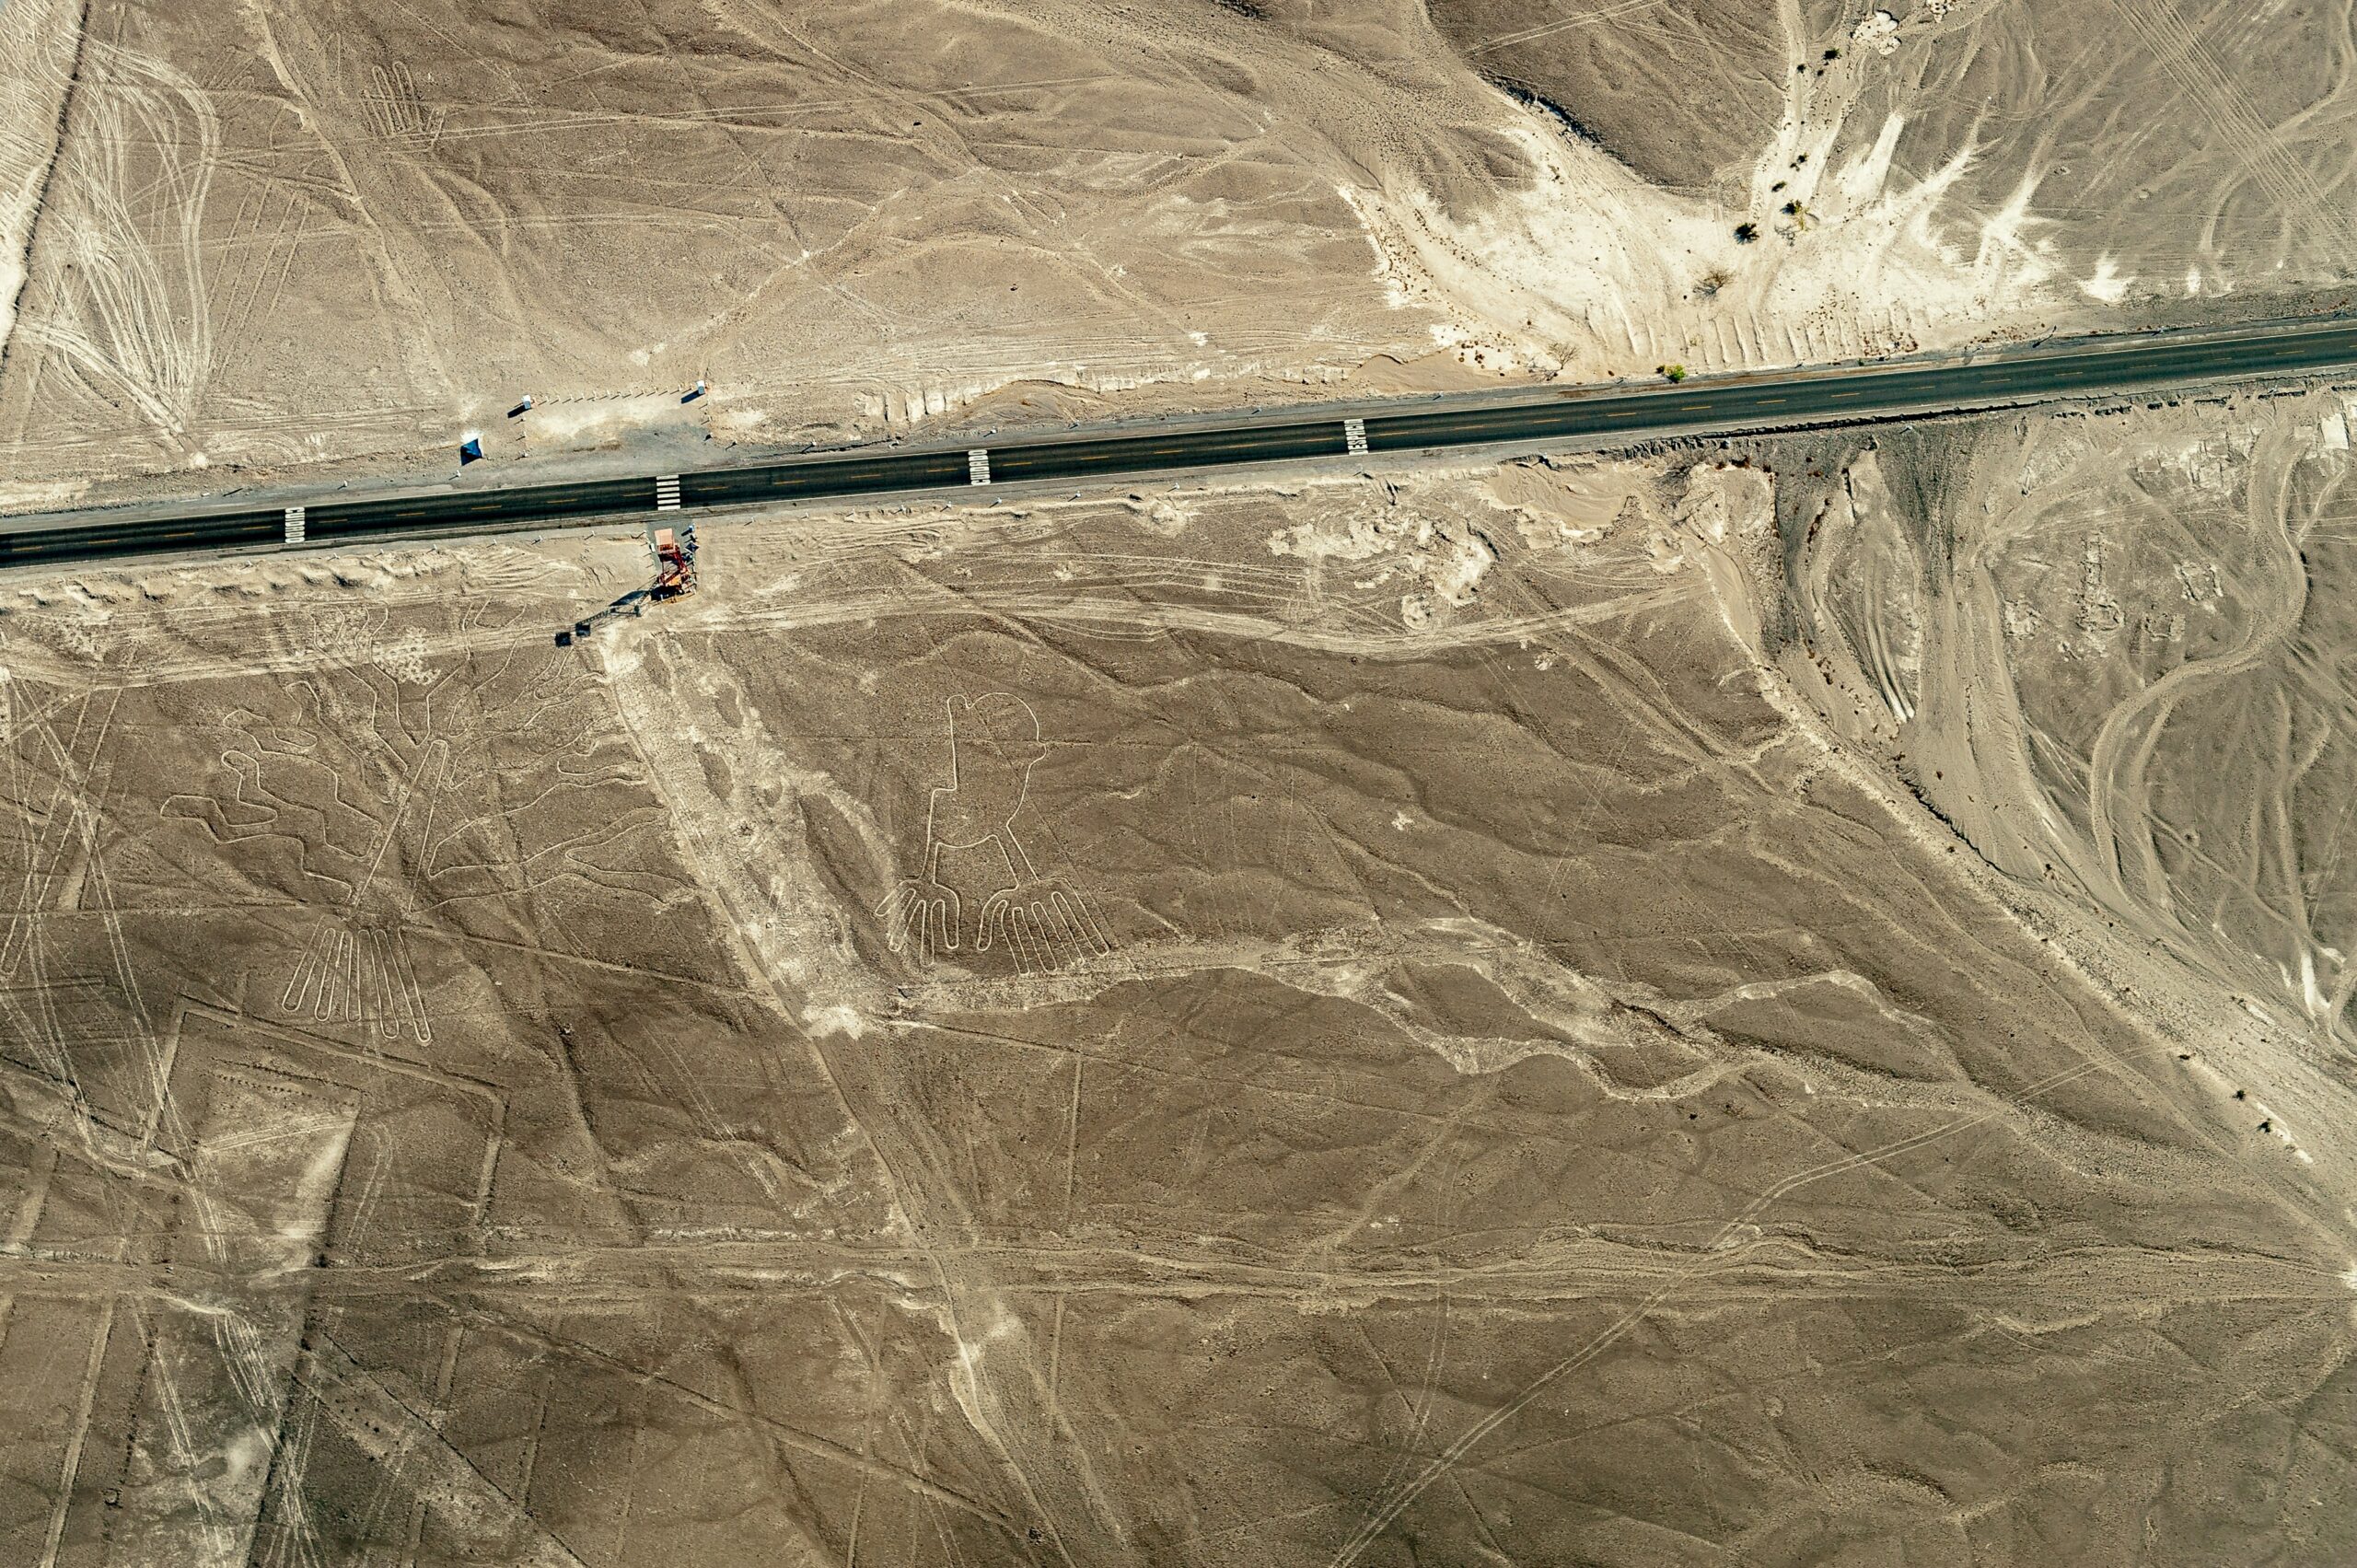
x,y
1391,1507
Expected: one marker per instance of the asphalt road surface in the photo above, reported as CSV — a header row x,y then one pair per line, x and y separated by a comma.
x,y
1760,401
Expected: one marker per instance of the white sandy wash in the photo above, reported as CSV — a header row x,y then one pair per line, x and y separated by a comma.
x,y
1591,271
37,40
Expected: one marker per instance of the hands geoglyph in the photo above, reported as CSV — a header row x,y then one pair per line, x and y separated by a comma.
x,y
922,917
1045,925
1040,920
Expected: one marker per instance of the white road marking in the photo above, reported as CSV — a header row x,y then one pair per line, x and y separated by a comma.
x,y
978,465
1354,436
666,492
294,525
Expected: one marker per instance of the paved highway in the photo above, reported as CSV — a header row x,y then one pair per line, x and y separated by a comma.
x,y
1595,415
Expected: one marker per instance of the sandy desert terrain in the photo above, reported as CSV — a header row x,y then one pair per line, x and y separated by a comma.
x,y
254,243
1369,1022
1767,1001
2111,651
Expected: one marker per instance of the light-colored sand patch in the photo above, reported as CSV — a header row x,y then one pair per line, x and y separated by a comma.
x,y
1594,273
2107,286
36,43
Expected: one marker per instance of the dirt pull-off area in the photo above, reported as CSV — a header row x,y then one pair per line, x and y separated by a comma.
x,y
1360,1025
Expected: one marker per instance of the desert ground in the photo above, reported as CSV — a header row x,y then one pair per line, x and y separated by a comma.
x,y
240,244
1763,1001
1387,1019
